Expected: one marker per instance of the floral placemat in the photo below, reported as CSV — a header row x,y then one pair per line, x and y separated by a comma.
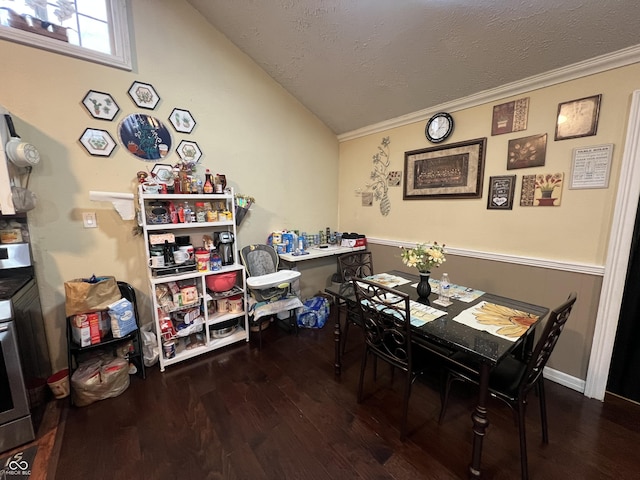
x,y
498,320
387,280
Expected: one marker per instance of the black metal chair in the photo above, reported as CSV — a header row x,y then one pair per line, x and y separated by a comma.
x,y
512,379
353,265
387,333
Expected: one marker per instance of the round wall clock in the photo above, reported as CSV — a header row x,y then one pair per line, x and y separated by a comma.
x,y
439,127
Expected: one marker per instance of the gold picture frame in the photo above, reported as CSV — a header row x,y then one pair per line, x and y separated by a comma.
x,y
455,170
578,118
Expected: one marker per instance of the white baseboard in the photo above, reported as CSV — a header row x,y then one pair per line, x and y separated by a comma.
x,y
563,379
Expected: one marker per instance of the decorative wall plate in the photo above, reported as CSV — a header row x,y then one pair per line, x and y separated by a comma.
x,y
182,120
163,174
189,151
101,105
145,136
97,142
144,95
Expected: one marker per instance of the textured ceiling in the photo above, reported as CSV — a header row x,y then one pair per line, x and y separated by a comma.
x,y
354,63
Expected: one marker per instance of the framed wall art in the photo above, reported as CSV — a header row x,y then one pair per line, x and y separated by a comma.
x,y
578,118
527,152
144,95
455,170
510,117
182,120
189,151
591,167
501,190
541,190
98,143
100,105
145,136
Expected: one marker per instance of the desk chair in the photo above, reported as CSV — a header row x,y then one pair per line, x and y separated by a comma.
x,y
387,334
512,379
270,288
353,265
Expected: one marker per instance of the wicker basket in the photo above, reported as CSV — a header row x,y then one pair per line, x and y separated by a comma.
x,y
33,25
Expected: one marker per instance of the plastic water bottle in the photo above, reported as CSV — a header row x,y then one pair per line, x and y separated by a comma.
x,y
445,287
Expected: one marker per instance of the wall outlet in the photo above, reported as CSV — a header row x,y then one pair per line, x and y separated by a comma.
x,y
89,220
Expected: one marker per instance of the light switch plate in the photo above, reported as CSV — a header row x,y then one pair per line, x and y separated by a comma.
x,y
89,220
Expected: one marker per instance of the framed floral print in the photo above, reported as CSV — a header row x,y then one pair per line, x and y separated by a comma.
x,y
189,151
98,143
144,95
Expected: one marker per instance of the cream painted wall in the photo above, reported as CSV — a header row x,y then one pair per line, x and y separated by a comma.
x,y
248,127
577,231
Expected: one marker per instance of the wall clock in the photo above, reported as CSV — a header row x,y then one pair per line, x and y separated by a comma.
x,y
439,127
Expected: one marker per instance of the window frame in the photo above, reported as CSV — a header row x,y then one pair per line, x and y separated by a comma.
x,y
120,58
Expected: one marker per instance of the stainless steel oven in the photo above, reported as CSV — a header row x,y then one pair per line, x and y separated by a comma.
x,y
24,355
16,426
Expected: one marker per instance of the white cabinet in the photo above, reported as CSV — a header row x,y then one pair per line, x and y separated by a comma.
x,y
190,318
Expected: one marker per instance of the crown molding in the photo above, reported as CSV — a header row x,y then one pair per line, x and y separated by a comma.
x,y
621,58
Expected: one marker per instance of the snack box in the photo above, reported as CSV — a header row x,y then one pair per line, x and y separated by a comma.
x,y
89,328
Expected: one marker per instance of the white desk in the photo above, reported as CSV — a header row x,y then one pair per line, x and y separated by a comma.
x,y
317,252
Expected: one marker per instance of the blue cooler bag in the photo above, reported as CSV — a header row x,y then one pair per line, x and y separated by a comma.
x,y
314,314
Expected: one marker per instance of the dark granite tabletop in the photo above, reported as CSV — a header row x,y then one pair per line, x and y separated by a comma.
x,y
481,345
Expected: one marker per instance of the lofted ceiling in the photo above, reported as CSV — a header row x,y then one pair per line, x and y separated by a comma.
x,y
354,63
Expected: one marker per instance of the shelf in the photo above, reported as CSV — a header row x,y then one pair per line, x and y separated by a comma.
x,y
187,275
187,196
108,340
184,226
217,318
183,354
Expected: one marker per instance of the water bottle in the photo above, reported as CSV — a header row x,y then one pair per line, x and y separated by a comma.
x,y
445,287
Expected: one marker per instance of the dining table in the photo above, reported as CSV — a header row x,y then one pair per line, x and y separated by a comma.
x,y
453,331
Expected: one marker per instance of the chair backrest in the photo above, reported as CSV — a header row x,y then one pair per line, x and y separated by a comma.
x,y
259,259
385,322
355,265
543,349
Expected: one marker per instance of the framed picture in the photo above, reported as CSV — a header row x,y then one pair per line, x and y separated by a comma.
x,y
98,143
182,120
446,171
501,191
144,95
541,190
527,152
100,105
145,136
578,118
591,167
510,117
189,151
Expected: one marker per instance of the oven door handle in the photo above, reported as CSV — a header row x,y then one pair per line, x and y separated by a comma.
x,y
4,327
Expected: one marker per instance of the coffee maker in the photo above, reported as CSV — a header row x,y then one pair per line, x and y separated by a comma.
x,y
224,244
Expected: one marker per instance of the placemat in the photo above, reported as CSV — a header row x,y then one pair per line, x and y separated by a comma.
x,y
498,320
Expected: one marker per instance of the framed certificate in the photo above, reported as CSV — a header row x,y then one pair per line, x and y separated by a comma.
x,y
591,167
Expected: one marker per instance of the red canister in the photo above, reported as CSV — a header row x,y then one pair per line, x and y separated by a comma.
x,y
202,260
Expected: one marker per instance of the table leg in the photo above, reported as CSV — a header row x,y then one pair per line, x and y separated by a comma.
x,y
480,421
337,337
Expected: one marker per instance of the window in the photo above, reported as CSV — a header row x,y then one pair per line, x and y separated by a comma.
x,y
95,30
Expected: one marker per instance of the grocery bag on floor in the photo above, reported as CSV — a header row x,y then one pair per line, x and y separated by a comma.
x,y
99,378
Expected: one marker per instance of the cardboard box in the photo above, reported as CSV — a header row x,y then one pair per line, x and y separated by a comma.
x,y
89,328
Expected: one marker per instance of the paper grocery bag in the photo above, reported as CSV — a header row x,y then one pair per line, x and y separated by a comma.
x,y
83,296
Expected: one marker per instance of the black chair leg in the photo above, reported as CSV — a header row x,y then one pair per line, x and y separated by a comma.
x,y
523,439
405,406
345,332
363,366
543,410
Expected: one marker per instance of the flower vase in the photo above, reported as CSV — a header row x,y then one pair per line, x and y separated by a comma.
x,y
423,288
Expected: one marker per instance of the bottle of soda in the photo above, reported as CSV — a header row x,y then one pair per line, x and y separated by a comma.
x,y
208,182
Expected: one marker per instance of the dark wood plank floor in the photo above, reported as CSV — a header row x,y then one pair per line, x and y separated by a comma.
x,y
279,413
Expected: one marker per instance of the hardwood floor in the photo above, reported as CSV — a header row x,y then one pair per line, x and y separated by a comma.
x,y
279,413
